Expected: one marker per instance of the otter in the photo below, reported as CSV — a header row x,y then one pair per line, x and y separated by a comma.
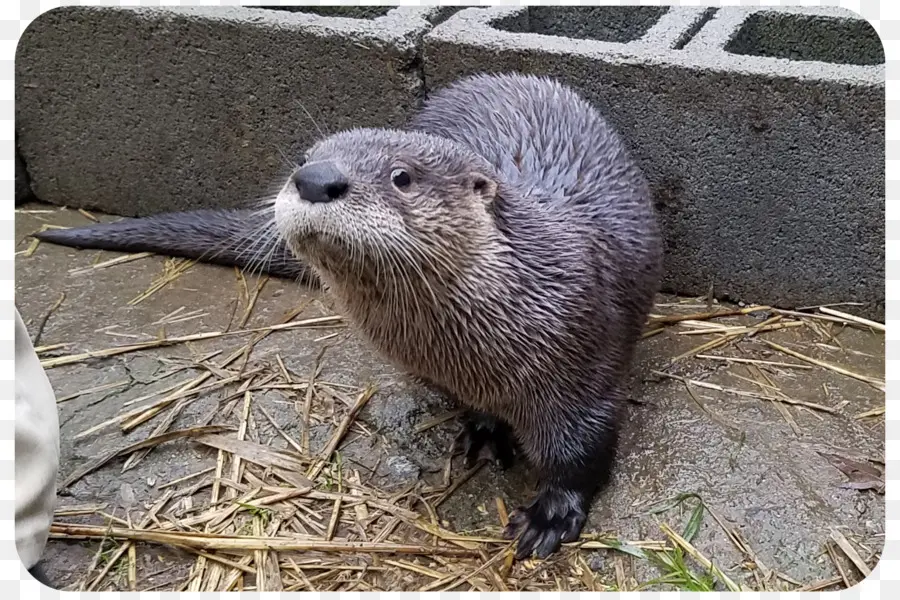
x,y
503,248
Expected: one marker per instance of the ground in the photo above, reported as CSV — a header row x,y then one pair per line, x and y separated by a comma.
x,y
744,464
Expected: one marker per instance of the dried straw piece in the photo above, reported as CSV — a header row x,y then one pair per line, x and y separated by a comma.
x,y
79,510
716,418
851,552
707,315
129,546
719,388
293,443
33,246
49,348
149,442
307,401
875,412
111,263
876,383
819,317
832,554
720,341
228,563
402,564
258,454
853,318
434,422
753,361
740,330
339,434
695,554
502,514
819,585
185,478
651,332
94,390
459,483
332,523
172,270
88,215
75,358
133,460
126,415
39,330
206,541
157,407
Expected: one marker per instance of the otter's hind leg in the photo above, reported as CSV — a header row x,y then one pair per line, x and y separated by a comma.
x,y
571,471
483,433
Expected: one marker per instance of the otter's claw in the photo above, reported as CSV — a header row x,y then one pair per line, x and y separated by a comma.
x,y
555,517
482,435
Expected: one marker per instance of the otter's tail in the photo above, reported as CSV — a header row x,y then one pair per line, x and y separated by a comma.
x,y
239,238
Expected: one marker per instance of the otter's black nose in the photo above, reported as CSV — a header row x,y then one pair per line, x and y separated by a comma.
x,y
320,182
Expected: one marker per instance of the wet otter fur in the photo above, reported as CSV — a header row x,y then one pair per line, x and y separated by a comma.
x,y
504,249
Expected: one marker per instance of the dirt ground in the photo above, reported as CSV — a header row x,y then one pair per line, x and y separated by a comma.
x,y
768,449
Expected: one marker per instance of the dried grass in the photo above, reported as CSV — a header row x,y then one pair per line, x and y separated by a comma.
x,y
850,552
744,393
107,352
173,268
270,519
113,262
698,556
874,382
853,318
256,530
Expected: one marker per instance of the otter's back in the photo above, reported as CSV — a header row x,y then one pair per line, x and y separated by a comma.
x,y
538,133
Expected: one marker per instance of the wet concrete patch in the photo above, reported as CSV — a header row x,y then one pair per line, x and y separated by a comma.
x,y
755,462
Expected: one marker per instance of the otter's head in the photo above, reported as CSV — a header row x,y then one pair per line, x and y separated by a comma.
x,y
388,198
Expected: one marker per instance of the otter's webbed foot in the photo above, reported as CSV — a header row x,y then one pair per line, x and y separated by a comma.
x,y
483,435
567,489
555,517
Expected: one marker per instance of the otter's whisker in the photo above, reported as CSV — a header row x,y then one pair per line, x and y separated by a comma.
x,y
287,161
315,124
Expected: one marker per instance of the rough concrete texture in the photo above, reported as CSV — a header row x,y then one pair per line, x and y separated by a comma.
x,y
135,111
756,463
768,172
762,130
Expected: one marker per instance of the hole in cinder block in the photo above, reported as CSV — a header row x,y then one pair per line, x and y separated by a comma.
x,y
808,38
348,12
617,24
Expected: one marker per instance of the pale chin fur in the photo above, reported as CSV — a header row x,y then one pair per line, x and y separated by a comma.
x,y
295,218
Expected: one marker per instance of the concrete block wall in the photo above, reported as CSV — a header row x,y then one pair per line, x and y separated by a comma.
x,y
768,171
761,129
134,111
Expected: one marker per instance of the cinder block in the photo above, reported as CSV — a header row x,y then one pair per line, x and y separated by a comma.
x,y
761,130
134,111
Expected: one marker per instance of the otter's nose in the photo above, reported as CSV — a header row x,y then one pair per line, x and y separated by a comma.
x,y
320,182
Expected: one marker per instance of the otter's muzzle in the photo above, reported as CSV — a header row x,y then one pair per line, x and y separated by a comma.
x,y
320,181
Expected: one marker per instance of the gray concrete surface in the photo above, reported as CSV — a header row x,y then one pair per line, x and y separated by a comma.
x,y
761,474
134,110
762,130
754,160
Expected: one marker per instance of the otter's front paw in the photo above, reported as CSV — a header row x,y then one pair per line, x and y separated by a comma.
x,y
553,518
484,435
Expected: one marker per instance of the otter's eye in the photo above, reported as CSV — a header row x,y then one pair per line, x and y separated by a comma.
x,y
400,178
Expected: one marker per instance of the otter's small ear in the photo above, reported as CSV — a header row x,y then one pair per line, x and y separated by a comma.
x,y
483,186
